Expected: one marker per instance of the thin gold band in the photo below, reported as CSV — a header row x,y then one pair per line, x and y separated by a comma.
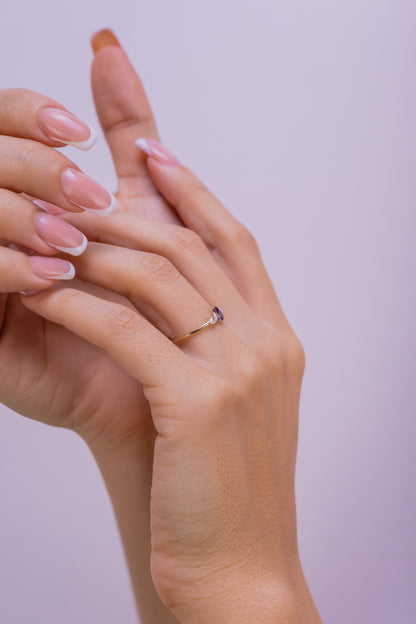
x,y
217,315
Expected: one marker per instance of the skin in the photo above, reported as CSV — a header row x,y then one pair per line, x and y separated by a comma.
x,y
196,441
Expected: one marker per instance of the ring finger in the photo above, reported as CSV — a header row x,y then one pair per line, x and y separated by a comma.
x,y
23,225
158,290
185,250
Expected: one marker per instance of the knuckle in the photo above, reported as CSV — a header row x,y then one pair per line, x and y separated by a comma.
x,y
158,267
186,240
273,357
284,354
243,238
34,158
121,322
68,298
252,372
295,353
29,154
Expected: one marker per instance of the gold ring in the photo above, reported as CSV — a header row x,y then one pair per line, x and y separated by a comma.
x,y
217,315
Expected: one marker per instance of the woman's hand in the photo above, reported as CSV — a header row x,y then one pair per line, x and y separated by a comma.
x,y
46,372
30,125
224,402
31,349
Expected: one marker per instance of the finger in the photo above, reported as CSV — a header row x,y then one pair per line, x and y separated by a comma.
x,y
19,272
123,110
186,251
124,334
154,285
3,304
29,115
231,243
22,224
39,171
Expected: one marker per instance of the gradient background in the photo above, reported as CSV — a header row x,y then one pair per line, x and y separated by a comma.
x,y
301,117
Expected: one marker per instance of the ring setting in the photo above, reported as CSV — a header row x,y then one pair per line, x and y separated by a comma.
x,y
217,316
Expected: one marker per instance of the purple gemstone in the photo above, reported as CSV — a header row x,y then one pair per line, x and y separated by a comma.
x,y
218,313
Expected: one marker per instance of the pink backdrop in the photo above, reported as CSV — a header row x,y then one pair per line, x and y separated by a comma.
x,y
301,116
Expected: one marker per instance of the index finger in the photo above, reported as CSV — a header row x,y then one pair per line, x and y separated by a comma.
x,y
122,105
29,115
130,339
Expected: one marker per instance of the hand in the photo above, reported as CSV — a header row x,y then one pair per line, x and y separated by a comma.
x,y
46,372
224,402
29,344
30,354
125,115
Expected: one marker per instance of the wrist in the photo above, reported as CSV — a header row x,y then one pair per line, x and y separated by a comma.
x,y
251,600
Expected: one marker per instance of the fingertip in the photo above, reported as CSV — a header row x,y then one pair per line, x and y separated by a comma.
x,y
29,293
88,143
158,152
102,39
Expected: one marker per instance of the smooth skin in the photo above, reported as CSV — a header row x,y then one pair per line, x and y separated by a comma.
x,y
220,410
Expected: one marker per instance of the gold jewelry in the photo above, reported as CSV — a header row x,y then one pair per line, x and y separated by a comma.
x,y
217,315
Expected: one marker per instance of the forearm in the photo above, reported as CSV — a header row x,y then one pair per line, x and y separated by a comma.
x,y
127,475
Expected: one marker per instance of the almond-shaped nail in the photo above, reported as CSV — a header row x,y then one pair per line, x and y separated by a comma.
x,y
61,125
103,38
157,151
60,234
50,208
81,190
52,268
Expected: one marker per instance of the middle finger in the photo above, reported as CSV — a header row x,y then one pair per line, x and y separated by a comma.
x,y
185,250
155,287
32,168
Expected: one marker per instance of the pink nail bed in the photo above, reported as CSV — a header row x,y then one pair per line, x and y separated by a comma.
x,y
83,191
52,268
157,151
60,234
61,125
50,208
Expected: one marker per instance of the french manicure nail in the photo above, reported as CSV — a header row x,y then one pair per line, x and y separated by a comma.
x,y
157,151
52,268
61,125
81,190
59,234
49,208
103,38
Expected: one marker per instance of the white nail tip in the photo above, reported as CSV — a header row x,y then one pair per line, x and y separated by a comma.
x,y
73,251
70,274
143,145
88,143
104,212
82,145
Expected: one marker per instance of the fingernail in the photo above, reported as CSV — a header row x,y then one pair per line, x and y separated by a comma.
x,y
28,293
52,268
49,208
22,248
61,125
60,234
83,191
158,152
103,38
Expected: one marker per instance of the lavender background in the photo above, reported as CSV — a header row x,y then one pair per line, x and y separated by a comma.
x,y
300,116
